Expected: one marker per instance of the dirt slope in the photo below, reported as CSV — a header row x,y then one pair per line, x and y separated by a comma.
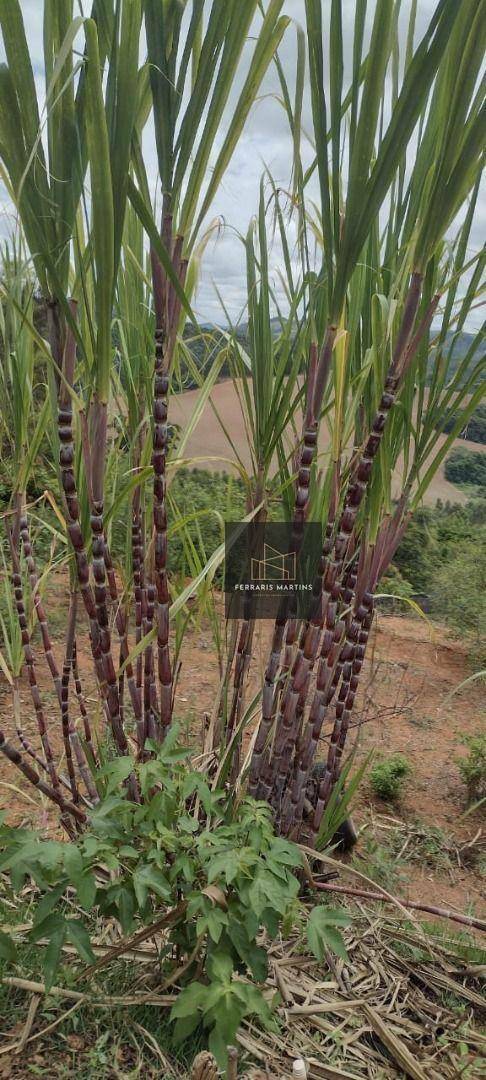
x,y
211,448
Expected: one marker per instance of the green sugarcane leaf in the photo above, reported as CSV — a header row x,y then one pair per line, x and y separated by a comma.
x,y
411,100
236,34
319,114
358,36
60,31
18,57
14,155
210,50
336,65
456,189
102,210
30,456
143,212
269,38
125,113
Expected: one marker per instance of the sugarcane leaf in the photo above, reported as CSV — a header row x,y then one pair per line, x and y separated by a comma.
x,y
239,20
417,82
144,213
102,208
319,114
5,668
336,66
18,57
363,146
125,113
268,40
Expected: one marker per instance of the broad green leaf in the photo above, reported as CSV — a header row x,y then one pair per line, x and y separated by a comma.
x,y
8,950
78,935
323,931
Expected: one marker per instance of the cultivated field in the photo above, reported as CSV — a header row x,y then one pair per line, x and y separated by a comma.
x,y
212,445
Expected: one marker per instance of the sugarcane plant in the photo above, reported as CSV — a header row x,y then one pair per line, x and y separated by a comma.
x,y
70,169
377,294
98,309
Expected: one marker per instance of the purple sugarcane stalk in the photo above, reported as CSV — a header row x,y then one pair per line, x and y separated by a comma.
x,y
358,630
82,705
246,634
70,735
282,764
332,578
121,623
15,757
292,703
309,443
30,664
38,605
138,583
406,346
66,732
242,665
150,718
167,313
99,427
23,740
294,695
95,604
354,652
65,423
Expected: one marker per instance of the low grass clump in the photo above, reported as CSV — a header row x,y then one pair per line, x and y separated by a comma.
x,y
388,776
473,767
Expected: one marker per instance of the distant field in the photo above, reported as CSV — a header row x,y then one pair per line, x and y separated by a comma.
x,y
213,450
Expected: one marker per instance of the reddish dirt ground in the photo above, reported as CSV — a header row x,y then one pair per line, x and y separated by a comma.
x,y
403,706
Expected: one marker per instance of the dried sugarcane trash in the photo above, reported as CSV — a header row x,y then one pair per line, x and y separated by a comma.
x,y
204,1067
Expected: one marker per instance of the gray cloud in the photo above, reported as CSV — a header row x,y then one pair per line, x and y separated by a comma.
x,y
266,143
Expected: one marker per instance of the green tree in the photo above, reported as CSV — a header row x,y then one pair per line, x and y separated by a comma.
x,y
466,467
475,429
458,590
415,556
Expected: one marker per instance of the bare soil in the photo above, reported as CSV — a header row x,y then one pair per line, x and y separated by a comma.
x,y
403,706
209,447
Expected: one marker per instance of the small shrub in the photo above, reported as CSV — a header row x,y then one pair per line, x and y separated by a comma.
x,y
379,862
387,777
458,593
415,556
473,767
399,591
206,868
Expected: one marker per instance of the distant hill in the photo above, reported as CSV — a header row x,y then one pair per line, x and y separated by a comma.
x,y
203,352
460,348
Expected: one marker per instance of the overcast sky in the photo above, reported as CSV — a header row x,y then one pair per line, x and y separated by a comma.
x,y
266,143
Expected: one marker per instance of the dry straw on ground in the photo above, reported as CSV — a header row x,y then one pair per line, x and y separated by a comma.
x,y
404,1005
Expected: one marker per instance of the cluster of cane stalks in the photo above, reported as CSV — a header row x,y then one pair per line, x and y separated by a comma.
x,y
97,288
